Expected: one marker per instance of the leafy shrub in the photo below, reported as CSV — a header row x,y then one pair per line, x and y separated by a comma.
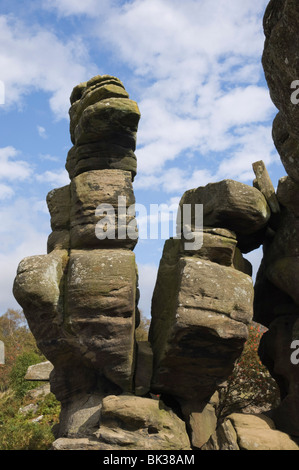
x,y
17,382
19,431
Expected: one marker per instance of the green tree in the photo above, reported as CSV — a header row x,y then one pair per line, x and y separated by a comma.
x,y
250,384
143,328
17,338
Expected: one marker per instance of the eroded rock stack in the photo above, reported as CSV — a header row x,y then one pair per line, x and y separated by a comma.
x,y
81,299
203,299
276,290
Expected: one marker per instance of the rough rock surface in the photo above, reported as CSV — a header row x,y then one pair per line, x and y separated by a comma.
x,y
127,422
80,299
203,301
39,371
232,205
276,291
103,126
249,432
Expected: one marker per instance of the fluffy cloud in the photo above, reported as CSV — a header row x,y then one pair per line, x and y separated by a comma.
x,y
32,58
12,169
194,69
23,231
6,191
56,178
197,78
42,132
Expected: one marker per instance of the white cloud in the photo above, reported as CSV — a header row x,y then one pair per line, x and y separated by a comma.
x,y
198,69
56,178
169,32
12,169
6,192
23,231
42,132
254,143
32,58
174,180
194,69
48,157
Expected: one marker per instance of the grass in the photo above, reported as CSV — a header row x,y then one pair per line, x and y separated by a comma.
x,y
32,430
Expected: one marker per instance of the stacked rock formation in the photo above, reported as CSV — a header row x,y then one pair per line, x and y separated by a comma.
x,y
276,290
203,299
81,299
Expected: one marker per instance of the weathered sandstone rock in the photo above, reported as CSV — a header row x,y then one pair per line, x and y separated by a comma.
x,y
276,353
134,423
288,194
80,299
199,314
287,146
100,303
280,57
249,432
37,288
103,126
264,184
232,205
39,371
276,298
129,422
99,215
144,368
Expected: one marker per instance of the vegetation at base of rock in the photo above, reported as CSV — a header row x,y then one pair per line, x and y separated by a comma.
x,y
250,386
18,371
20,431
18,339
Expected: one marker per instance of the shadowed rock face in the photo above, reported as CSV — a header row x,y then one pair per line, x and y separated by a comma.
x,y
276,291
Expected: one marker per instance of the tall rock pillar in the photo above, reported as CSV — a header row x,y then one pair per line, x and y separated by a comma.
x,y
276,290
80,299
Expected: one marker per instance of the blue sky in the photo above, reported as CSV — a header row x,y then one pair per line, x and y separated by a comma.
x,y
194,68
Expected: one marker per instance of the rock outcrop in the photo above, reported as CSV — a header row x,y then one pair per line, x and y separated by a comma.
x,y
81,298
276,290
203,298
2,353
249,432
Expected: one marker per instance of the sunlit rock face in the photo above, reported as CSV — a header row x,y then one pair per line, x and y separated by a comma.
x,y
80,299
